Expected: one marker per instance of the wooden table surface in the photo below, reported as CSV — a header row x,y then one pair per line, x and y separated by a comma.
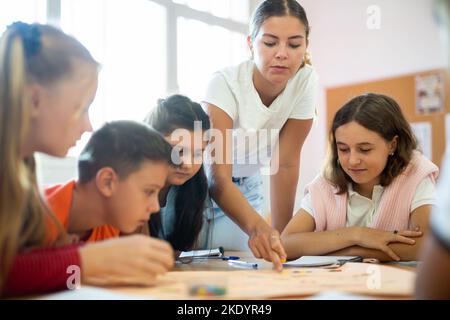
x,y
203,265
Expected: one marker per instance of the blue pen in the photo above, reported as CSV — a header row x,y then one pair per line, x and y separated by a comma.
x,y
227,258
243,264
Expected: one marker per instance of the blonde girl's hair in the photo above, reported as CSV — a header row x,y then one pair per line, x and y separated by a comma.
x,y
29,53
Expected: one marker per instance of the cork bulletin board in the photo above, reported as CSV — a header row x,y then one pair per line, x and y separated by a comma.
x,y
423,97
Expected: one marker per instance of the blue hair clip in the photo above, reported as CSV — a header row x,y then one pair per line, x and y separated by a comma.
x,y
31,36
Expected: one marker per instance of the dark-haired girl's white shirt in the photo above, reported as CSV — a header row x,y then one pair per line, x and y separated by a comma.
x,y
168,214
232,90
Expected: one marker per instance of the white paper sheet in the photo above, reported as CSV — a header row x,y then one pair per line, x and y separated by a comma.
x,y
318,261
422,131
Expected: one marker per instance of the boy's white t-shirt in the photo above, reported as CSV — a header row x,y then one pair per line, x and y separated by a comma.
x,y
255,126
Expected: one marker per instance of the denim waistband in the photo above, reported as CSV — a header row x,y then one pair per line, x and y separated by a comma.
x,y
239,180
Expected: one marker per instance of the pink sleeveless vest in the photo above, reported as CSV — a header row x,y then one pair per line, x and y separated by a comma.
x,y
330,209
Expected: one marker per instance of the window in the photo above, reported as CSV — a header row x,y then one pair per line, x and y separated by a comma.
x,y
210,36
22,10
203,50
128,39
147,48
237,10
151,48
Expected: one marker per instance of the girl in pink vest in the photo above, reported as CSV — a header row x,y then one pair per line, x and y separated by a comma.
x,y
374,196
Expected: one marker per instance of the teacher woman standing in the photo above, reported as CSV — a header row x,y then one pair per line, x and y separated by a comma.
x,y
274,91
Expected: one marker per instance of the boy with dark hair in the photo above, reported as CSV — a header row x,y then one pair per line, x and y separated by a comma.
x,y
121,170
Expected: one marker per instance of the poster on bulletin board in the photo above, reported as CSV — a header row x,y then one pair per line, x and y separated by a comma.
x,y
429,93
422,131
423,97
447,131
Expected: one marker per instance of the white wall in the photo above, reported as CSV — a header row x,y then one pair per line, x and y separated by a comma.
x,y
53,170
345,51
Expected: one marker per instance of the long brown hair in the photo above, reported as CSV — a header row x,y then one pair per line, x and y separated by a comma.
x,y
29,53
172,113
378,113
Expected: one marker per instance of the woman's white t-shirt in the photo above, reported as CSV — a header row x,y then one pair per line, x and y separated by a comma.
x,y
255,126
